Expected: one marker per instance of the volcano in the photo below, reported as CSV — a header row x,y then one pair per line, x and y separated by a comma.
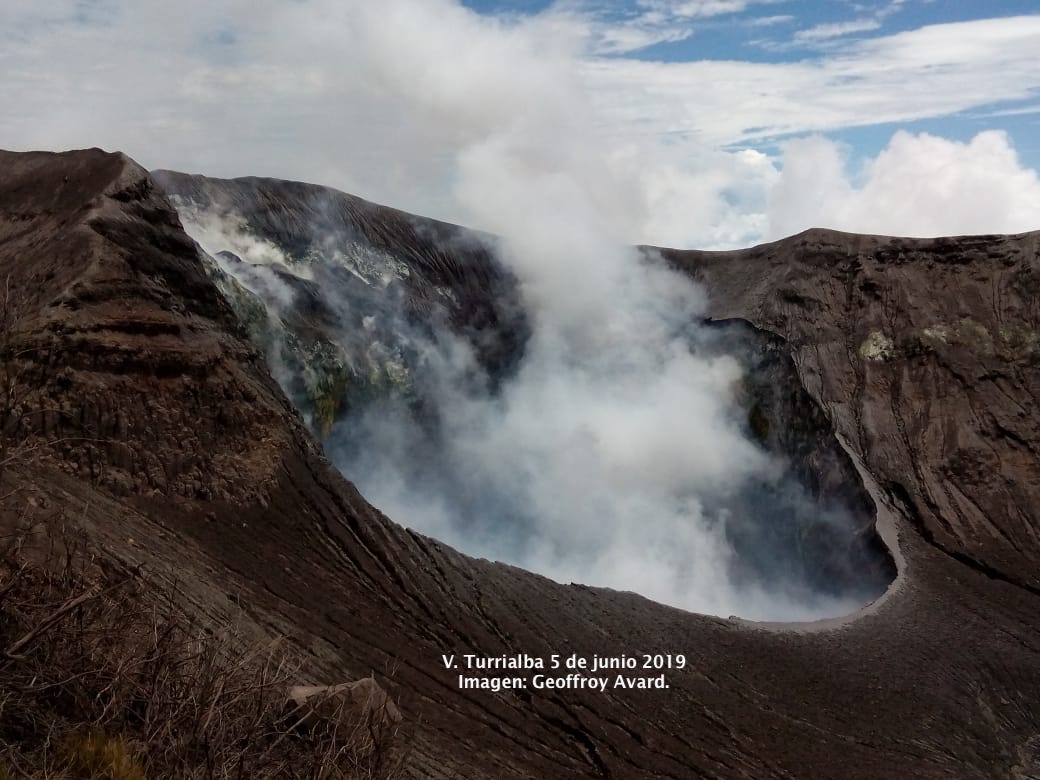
x,y
896,377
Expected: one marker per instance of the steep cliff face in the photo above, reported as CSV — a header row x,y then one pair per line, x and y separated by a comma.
x,y
835,544
441,270
927,357
921,354
135,380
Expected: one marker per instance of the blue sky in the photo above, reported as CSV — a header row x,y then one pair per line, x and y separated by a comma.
x,y
793,31
764,31
723,122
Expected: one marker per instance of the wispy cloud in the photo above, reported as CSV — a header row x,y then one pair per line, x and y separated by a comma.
x,y
872,17
695,9
634,35
930,72
620,29
836,30
768,21
1020,111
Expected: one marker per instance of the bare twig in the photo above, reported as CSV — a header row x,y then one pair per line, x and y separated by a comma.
x,y
64,609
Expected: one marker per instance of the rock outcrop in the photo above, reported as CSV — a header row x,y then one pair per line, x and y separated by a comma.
x,y
447,269
927,356
157,425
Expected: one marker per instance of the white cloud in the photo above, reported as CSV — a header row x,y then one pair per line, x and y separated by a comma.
x,y
919,185
617,30
635,35
894,7
1020,111
769,21
837,30
696,9
930,72
302,95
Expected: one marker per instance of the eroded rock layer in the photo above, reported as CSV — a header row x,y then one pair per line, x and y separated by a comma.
x,y
921,353
927,355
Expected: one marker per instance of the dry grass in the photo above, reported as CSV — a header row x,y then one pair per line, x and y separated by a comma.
x,y
102,679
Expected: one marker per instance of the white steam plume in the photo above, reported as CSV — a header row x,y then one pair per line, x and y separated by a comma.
x,y
597,461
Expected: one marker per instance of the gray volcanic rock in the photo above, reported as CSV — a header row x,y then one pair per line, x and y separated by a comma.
x,y
922,354
833,544
338,290
926,354
446,267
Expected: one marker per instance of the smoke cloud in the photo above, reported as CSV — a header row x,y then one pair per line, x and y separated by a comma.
x,y
616,453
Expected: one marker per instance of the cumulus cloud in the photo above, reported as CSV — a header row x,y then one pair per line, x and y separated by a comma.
x,y
919,185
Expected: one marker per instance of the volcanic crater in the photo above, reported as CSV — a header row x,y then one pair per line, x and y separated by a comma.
x,y
899,376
